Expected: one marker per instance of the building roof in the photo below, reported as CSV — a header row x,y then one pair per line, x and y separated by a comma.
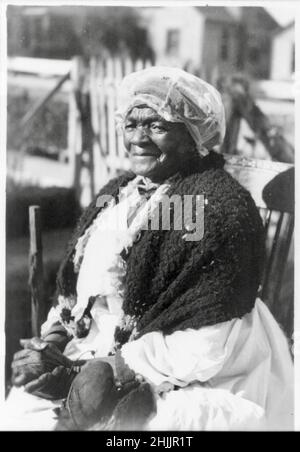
x,y
258,16
216,13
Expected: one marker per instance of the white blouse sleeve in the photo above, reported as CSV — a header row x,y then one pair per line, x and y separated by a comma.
x,y
183,356
52,318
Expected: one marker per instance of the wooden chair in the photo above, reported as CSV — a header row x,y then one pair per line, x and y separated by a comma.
x,y
36,279
271,185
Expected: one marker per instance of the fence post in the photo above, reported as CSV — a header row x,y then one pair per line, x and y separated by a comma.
x,y
82,125
75,124
230,143
36,283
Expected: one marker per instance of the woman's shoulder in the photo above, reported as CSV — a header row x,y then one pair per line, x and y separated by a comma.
x,y
216,182
226,200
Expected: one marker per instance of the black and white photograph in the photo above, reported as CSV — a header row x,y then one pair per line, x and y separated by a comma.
x,y
147,218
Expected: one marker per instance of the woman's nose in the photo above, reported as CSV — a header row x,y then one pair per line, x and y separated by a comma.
x,y
139,137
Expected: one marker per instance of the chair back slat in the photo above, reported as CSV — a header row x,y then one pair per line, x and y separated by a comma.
x,y
267,220
283,255
255,174
271,258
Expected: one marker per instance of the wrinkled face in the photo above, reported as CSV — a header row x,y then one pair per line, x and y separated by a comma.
x,y
157,148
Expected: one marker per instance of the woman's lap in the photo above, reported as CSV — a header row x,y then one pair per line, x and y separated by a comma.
x,y
191,408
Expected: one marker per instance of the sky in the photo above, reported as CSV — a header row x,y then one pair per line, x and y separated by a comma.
x,y
283,14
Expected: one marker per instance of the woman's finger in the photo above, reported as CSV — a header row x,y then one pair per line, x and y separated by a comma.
x,y
34,360
25,342
35,343
23,372
21,354
18,379
39,383
58,371
21,379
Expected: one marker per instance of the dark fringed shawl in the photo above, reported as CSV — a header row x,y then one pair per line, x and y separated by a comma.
x,y
172,284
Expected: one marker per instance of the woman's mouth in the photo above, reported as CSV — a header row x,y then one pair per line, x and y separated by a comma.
x,y
140,153
145,155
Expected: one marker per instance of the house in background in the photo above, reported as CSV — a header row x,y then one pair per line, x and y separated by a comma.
x,y
207,40
257,28
212,41
43,32
200,39
283,53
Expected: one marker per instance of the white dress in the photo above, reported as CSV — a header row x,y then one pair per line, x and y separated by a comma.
x,y
235,375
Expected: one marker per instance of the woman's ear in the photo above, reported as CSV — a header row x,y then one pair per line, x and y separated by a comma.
x,y
187,146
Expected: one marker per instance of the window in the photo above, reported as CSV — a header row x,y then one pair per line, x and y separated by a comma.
x,y
38,29
293,59
25,33
224,45
254,54
173,37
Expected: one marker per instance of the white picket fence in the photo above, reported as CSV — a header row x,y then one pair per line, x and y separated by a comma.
x,y
105,76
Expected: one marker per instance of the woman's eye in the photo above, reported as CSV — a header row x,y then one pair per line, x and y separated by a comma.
x,y
129,127
158,128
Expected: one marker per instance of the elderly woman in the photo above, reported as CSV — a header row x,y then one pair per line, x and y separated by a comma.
x,y
174,315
